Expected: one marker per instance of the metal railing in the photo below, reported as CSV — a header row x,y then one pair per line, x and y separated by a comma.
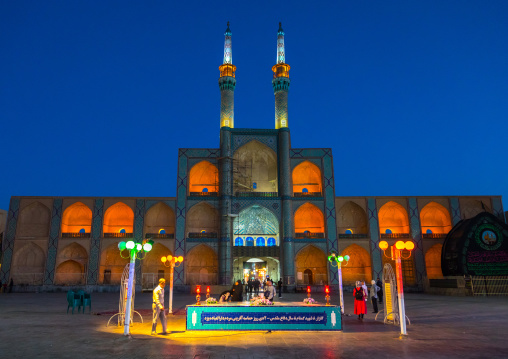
x,y
434,235
75,235
202,235
160,235
489,285
118,235
256,194
310,235
202,194
307,194
394,235
353,235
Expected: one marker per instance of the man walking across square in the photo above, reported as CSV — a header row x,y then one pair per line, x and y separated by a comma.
x,y
158,307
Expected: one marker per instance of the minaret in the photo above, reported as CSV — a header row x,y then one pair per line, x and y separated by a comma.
x,y
227,83
280,83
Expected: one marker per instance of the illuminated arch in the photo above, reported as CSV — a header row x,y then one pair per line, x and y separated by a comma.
x,y
34,221
436,218
255,165
160,217
308,217
204,177
111,261
307,176
202,216
358,267
76,217
314,259
117,217
201,265
352,217
394,217
433,261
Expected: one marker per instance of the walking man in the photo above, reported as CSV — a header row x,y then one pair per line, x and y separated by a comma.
x,y
158,307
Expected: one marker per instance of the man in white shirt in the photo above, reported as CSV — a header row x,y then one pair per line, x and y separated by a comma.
x,y
158,307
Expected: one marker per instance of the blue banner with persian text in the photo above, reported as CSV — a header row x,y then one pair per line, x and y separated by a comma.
x,y
263,318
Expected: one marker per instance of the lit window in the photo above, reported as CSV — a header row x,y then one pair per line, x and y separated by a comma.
x,y
429,231
203,231
349,231
388,231
122,230
162,231
82,230
249,241
238,241
305,190
260,242
205,189
271,242
254,185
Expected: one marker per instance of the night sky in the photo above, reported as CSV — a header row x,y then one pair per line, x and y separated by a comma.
x,y
96,97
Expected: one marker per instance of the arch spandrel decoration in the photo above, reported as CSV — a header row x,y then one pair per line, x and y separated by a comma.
x,y
392,216
117,217
76,217
203,176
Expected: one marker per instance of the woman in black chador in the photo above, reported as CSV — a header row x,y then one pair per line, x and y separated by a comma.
x,y
237,291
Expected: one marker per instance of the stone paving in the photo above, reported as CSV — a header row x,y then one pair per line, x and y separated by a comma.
x,y
35,325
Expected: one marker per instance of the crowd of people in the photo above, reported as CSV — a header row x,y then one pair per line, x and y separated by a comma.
x,y
252,287
361,294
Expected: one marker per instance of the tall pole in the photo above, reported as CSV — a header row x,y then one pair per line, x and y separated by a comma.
x,y
339,270
400,293
171,271
132,266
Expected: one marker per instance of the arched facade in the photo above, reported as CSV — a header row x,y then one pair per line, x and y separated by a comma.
x,y
203,177
435,218
311,266
118,217
112,264
309,220
28,264
351,217
433,262
307,179
71,263
201,265
358,267
393,217
202,217
34,221
77,217
159,217
255,168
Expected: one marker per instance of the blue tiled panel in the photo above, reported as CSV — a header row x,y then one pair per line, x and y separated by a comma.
x,y
221,317
497,207
95,242
139,217
416,234
54,231
8,241
455,208
375,253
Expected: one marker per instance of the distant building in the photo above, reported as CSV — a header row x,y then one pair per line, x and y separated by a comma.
x,y
253,207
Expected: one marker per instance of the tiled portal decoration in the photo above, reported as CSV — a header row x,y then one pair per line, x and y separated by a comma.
x,y
497,207
54,231
416,234
8,241
455,208
375,252
266,137
273,205
139,215
95,242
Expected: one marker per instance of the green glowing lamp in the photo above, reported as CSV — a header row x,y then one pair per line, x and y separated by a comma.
x,y
147,247
340,258
121,246
130,245
346,257
138,246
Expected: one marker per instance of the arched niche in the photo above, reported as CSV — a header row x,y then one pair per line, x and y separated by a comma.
x,y
34,221
311,258
201,265
118,217
202,217
471,207
112,264
435,218
309,221
70,272
28,265
159,217
203,177
255,168
256,220
352,217
358,267
75,252
76,217
392,216
307,179
433,262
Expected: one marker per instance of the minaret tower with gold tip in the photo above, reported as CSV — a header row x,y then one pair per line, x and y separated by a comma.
x,y
280,83
227,83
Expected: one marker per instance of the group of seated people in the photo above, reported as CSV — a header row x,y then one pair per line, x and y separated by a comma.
x,y
235,294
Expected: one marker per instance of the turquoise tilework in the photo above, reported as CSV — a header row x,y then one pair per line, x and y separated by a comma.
x,y
54,232
8,241
497,207
416,234
455,208
139,216
95,241
375,252
221,317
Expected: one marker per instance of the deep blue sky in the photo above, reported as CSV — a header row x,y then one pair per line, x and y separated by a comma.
x,y
96,97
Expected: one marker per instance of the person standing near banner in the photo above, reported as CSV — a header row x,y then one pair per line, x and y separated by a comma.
x,y
359,300
158,307
373,295
380,292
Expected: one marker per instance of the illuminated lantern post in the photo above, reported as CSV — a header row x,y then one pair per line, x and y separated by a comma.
x,y
396,254
134,250
172,262
198,295
207,291
336,260
327,291
308,291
